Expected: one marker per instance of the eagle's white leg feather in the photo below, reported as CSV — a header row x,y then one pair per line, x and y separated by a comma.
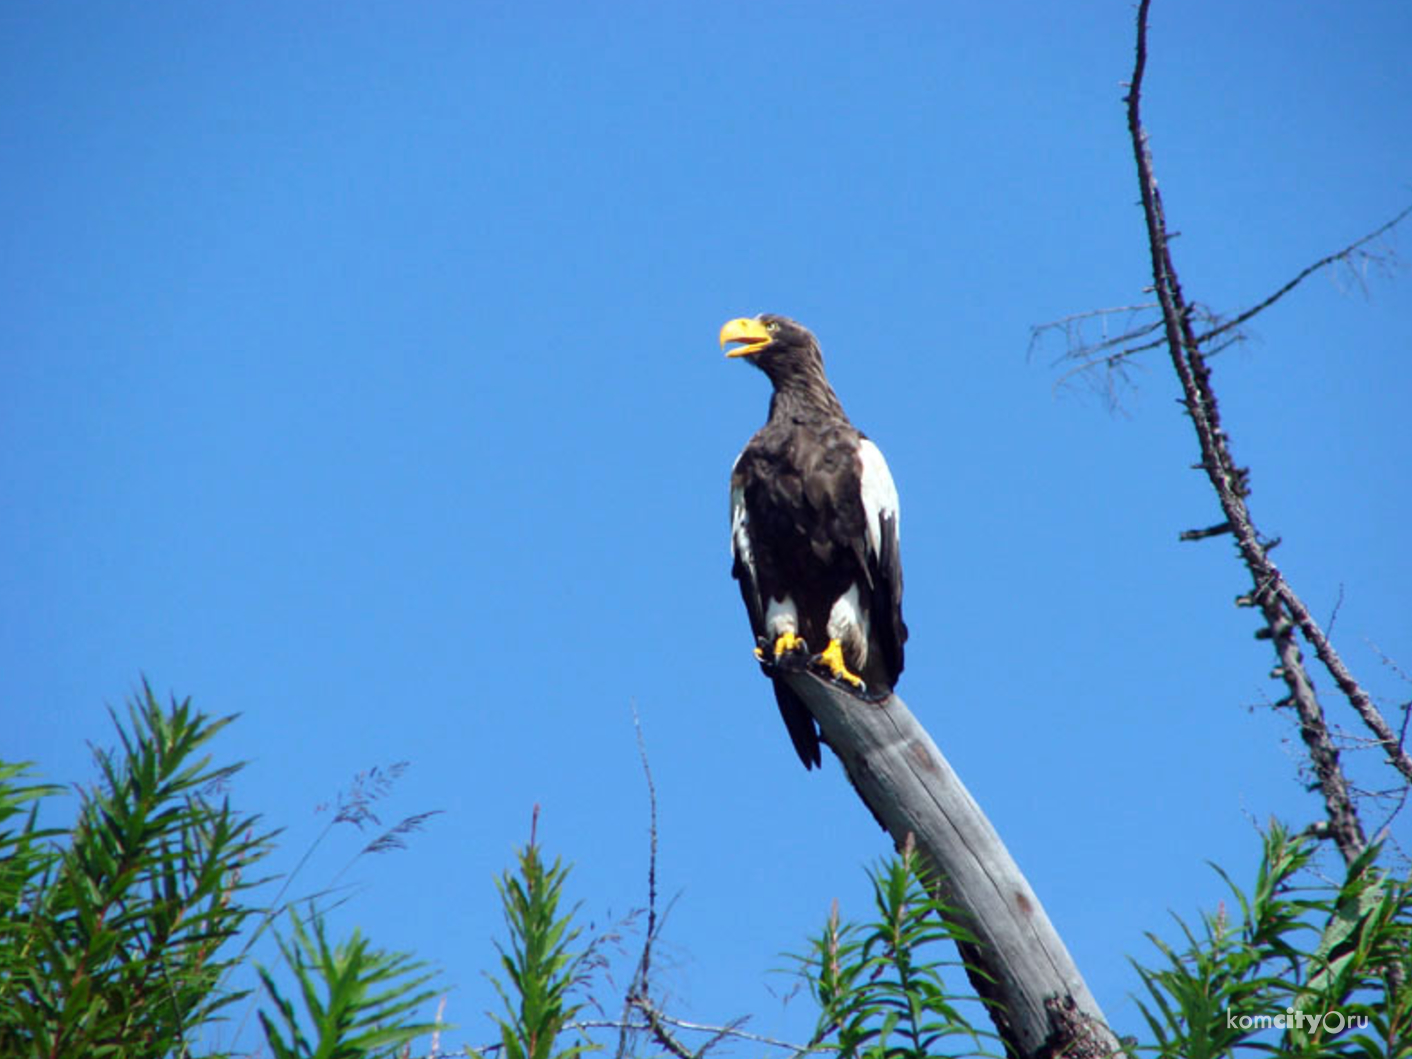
x,y
781,616
878,492
848,624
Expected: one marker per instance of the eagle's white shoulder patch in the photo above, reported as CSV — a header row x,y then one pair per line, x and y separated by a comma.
x,y
878,492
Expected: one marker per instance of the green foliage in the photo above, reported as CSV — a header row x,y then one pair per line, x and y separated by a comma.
x,y
355,997
543,966
111,944
113,941
113,932
1269,981
25,856
880,990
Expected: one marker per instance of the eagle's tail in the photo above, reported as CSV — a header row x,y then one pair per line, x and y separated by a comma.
x,y
803,731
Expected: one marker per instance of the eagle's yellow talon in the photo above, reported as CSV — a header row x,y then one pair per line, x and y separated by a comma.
x,y
786,643
760,653
833,658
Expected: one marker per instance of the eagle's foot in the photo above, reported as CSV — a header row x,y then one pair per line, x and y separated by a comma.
x,y
788,644
832,660
787,652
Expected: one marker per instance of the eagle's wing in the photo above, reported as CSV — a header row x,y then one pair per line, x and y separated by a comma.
x,y
883,557
743,555
803,732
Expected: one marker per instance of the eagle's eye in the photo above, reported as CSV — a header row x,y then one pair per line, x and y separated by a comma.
x,y
772,327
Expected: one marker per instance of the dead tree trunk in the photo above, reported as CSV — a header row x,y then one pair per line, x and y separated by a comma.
x,y
1020,967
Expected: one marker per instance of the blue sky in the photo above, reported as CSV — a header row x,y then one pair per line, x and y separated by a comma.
x,y
360,377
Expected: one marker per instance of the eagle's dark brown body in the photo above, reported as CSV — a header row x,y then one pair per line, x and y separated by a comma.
x,y
814,529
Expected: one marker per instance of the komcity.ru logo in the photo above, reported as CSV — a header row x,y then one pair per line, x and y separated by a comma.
x,y
1330,1021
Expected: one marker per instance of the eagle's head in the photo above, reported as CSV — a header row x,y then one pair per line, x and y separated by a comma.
x,y
775,344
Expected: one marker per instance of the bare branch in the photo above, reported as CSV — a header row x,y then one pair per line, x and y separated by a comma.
x,y
1394,746
627,1027
1099,353
1282,609
661,1034
1202,534
638,989
1113,353
645,964
1344,255
732,1031
1072,328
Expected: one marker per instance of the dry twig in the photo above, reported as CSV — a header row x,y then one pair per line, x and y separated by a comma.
x,y
1113,353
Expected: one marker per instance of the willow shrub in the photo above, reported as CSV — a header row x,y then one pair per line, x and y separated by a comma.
x,y
118,934
113,932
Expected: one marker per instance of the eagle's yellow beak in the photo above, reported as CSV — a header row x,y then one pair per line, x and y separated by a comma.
x,y
752,332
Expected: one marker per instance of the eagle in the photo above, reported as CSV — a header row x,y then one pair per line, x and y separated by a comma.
x,y
814,531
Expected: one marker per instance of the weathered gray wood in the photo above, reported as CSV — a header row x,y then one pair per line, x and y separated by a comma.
x,y
1045,1009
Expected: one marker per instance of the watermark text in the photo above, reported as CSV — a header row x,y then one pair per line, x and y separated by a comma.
x,y
1293,1019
